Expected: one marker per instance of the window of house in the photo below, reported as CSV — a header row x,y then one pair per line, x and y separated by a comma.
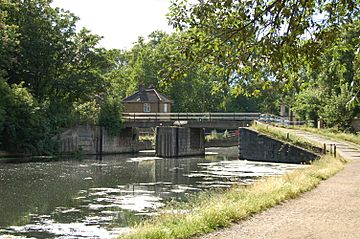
x,y
147,107
165,108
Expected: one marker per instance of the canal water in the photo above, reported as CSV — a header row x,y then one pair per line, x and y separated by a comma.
x,y
100,199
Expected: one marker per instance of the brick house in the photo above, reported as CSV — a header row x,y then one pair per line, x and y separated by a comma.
x,y
147,101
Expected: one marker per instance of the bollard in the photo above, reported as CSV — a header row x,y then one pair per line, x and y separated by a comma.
x,y
287,136
335,150
324,149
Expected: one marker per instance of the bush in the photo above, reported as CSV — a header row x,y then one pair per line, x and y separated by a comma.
x,y
87,112
336,112
307,104
25,127
110,115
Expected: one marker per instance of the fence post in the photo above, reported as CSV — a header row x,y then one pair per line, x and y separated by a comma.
x,y
335,150
209,116
331,149
324,149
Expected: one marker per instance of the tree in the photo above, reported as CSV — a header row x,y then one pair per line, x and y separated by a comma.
x,y
26,127
326,91
110,115
147,63
50,74
308,104
246,37
335,112
8,38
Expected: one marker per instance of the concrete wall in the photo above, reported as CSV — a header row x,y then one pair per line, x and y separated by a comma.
x,y
87,138
259,147
179,141
138,107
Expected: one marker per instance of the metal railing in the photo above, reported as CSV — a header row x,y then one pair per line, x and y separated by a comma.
x,y
277,120
128,117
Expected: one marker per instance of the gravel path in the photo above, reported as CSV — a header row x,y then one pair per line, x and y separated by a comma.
x,y
332,210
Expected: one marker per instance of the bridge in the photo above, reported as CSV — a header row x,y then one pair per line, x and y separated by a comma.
x,y
187,140
191,120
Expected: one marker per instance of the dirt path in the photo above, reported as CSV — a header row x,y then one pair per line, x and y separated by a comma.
x,y
332,210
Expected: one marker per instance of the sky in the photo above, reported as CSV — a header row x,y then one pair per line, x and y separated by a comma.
x,y
120,22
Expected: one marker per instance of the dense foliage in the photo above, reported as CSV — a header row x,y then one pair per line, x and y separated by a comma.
x,y
302,45
229,56
51,77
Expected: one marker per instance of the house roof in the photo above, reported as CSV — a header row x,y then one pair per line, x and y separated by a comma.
x,y
147,95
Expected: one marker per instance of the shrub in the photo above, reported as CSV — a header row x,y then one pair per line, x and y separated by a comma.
x,y
335,112
110,115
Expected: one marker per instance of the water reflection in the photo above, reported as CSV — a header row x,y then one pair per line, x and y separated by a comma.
x,y
82,199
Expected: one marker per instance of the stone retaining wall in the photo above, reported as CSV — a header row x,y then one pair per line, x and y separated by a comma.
x,y
259,147
87,140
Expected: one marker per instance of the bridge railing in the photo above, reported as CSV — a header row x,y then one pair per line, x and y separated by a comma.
x,y
190,116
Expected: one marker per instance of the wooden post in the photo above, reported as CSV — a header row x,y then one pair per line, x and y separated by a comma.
x,y
324,148
335,150
331,149
287,136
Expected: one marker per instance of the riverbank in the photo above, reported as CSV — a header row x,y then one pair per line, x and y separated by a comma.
x,y
211,211
329,211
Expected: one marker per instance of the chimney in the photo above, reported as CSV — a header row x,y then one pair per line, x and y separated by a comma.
x,y
141,87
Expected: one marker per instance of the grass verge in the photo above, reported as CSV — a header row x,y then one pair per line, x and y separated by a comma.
x,y
331,133
210,211
281,134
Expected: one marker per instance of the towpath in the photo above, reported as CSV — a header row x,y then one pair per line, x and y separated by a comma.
x,y
332,210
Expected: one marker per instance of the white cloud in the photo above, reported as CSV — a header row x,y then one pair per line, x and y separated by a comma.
x,y
121,22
